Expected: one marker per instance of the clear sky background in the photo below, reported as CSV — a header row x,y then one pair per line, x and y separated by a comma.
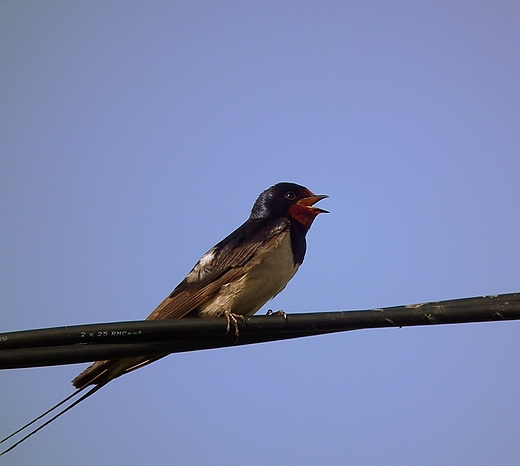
x,y
136,135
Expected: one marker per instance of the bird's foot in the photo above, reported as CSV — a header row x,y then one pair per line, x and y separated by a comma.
x,y
234,318
270,312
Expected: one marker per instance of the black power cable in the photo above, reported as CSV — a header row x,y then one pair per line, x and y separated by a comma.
x,y
84,343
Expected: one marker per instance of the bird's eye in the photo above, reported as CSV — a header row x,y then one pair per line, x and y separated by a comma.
x,y
290,195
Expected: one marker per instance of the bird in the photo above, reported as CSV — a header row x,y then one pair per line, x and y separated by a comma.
x,y
235,278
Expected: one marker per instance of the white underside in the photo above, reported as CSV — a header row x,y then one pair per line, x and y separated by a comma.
x,y
250,292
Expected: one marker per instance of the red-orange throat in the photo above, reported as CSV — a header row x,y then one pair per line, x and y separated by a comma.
x,y
304,211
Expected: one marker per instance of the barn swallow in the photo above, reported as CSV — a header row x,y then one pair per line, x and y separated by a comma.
x,y
233,279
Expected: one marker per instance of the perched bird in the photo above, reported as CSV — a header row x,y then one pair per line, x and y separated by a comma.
x,y
234,278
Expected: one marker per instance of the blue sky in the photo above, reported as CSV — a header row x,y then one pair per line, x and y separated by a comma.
x,y
136,135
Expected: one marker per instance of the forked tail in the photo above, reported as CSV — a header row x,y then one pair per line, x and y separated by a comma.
x,y
98,374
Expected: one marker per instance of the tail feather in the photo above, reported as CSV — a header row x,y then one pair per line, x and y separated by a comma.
x,y
102,372
56,416
98,375
72,395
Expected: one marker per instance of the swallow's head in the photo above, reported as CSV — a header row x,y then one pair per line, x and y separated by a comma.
x,y
288,200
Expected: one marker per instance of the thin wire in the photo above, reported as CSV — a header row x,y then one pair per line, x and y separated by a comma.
x,y
84,343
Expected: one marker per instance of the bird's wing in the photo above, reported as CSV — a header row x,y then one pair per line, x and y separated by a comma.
x,y
222,264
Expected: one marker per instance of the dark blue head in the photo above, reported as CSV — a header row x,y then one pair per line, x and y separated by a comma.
x,y
288,200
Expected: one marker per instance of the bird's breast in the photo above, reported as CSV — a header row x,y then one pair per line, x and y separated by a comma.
x,y
261,282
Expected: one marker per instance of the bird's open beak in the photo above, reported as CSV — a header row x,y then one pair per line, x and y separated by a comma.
x,y
311,200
